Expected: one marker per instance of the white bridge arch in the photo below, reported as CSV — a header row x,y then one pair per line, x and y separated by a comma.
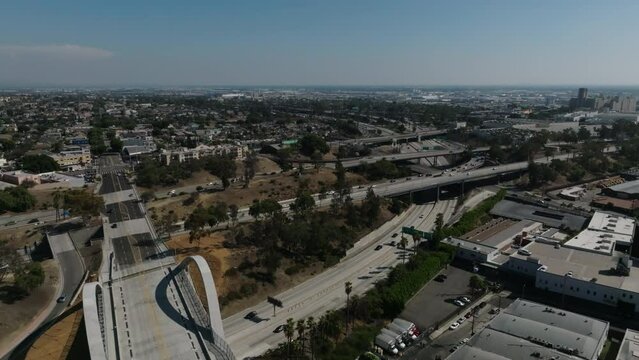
x,y
215,318
93,308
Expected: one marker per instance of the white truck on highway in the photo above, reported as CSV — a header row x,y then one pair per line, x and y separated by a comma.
x,y
387,343
399,340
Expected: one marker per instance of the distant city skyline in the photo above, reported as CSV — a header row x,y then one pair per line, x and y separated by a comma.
x,y
323,43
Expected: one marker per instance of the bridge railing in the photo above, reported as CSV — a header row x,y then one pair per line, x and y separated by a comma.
x,y
216,345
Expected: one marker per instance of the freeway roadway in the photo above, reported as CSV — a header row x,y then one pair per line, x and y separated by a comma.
x,y
363,266
389,138
146,315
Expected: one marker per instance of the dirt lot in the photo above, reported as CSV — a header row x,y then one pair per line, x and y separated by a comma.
x,y
20,236
60,339
44,197
221,260
15,314
197,178
281,186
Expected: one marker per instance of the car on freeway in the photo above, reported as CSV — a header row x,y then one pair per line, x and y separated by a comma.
x,y
441,278
459,303
453,326
251,315
61,299
279,329
378,247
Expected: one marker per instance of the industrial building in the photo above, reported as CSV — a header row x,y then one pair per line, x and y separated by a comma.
x,y
607,279
629,348
526,330
626,190
492,242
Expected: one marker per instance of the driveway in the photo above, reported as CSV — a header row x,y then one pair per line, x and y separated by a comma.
x,y
432,304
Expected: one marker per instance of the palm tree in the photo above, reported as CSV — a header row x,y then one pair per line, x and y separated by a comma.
x,y
348,288
57,197
311,327
301,328
289,332
403,242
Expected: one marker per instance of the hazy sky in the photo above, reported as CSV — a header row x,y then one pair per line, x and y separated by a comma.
x,y
321,42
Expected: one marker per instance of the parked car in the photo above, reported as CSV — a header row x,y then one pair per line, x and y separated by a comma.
x,y
61,299
378,247
461,320
394,235
465,299
113,226
458,303
441,278
453,326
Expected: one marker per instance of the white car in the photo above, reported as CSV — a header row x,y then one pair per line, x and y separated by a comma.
x,y
458,303
465,299
453,326
460,320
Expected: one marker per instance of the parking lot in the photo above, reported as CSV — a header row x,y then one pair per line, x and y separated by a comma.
x,y
433,303
443,345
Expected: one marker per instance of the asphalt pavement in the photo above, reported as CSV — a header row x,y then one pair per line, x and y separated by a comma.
x,y
363,266
433,303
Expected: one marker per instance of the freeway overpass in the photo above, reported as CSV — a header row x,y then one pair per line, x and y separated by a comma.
x,y
144,304
418,135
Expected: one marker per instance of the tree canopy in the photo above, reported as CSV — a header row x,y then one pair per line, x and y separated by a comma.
x,y
17,199
39,163
311,143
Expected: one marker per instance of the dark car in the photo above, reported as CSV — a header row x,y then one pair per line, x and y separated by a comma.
x,y
441,278
378,247
113,226
392,243
62,299
394,235
279,329
251,315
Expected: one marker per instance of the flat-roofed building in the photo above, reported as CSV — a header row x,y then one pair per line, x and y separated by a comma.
x,y
20,177
526,329
181,155
602,278
572,193
629,349
612,223
597,241
72,158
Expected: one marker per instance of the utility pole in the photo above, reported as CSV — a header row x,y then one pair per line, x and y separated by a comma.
x,y
472,329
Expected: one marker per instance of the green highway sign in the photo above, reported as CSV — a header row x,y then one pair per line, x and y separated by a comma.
x,y
413,231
